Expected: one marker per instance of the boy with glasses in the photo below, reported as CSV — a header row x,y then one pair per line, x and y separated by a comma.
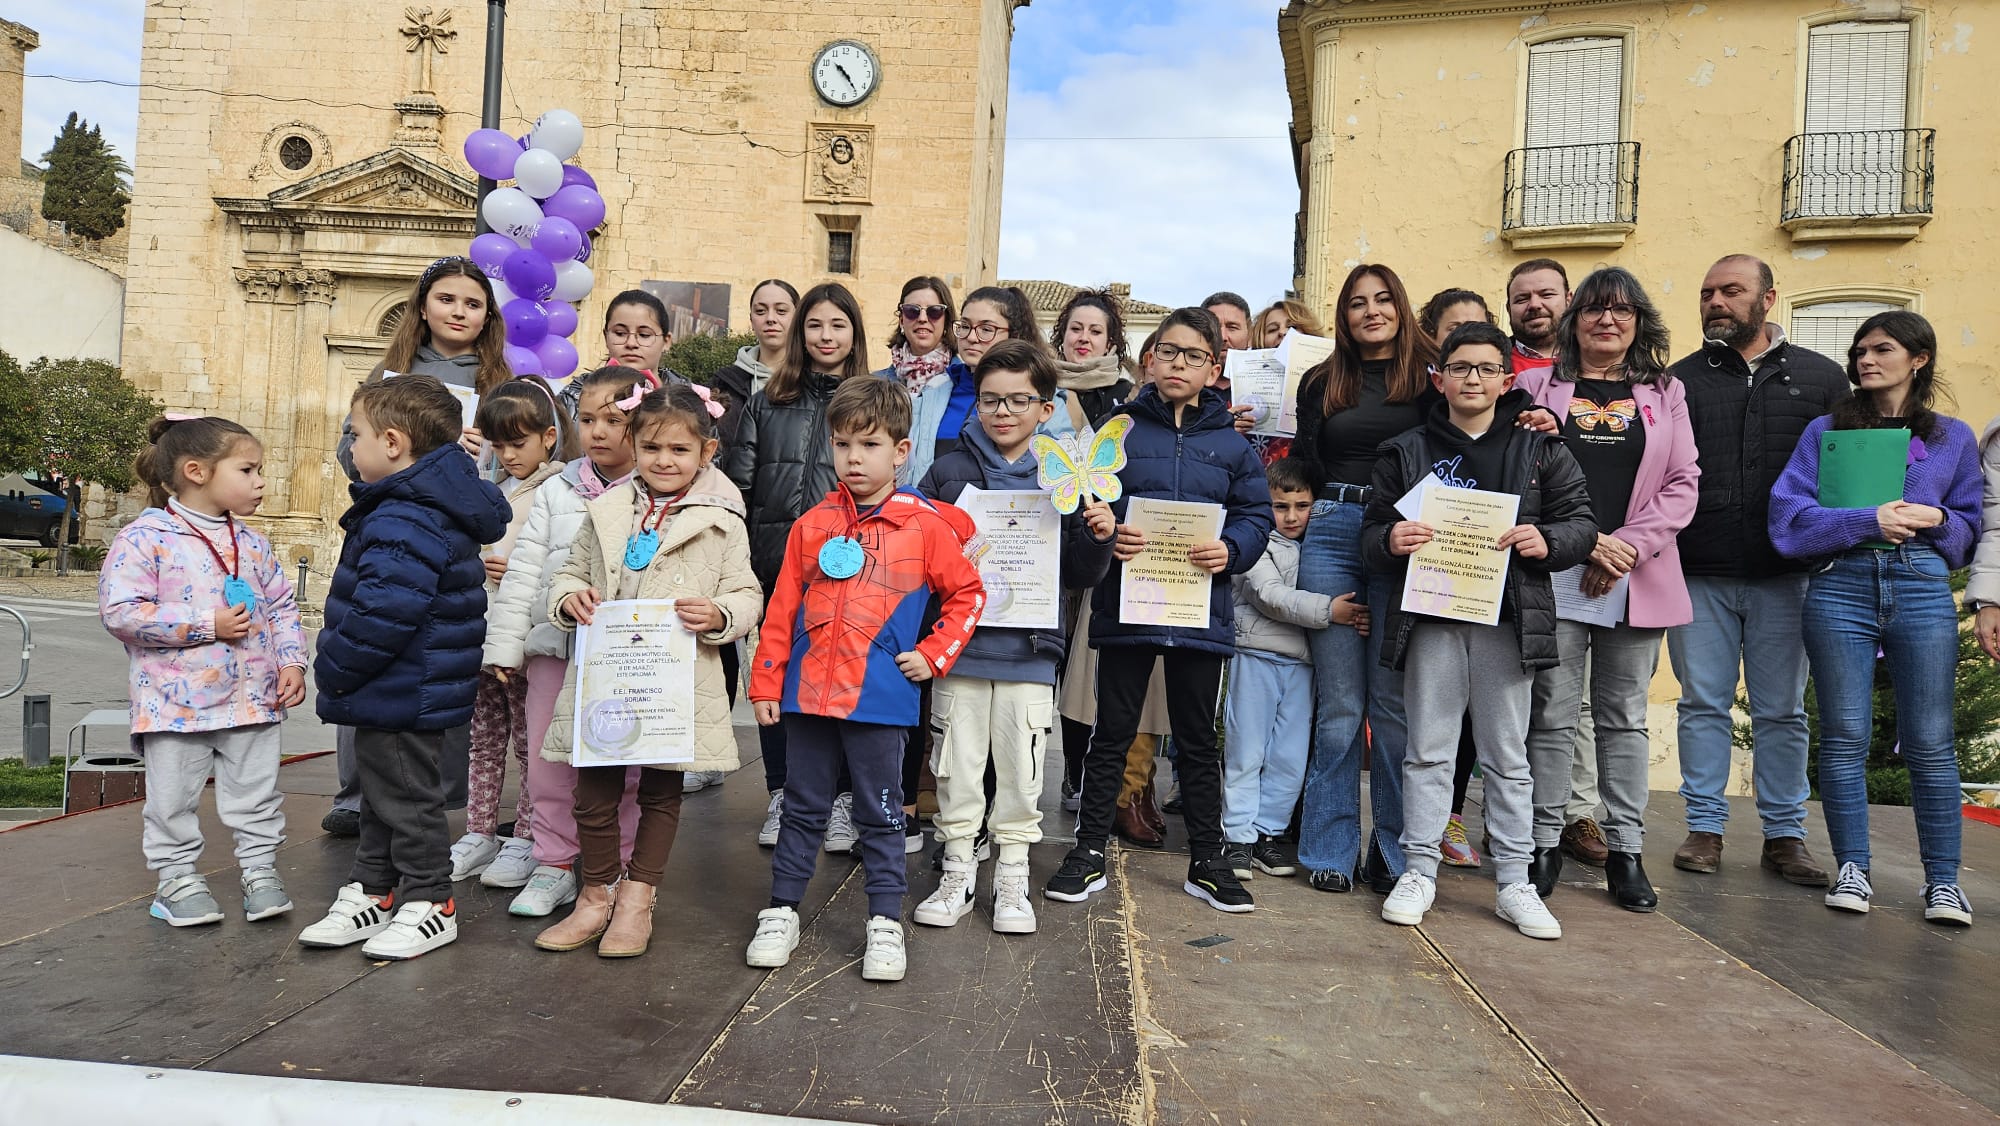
x,y
998,705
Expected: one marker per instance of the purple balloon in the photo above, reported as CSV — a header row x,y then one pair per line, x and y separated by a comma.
x,y
562,317
523,361
580,205
492,153
490,252
574,175
558,356
527,325
583,252
529,274
557,239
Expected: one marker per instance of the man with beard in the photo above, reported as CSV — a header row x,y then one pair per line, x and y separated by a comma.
x,y
1537,297
1750,393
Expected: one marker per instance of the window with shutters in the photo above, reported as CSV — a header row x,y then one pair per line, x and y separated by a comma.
x,y
1574,169
1828,327
1857,154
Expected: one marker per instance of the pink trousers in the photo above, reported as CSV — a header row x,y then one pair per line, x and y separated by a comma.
x,y
554,783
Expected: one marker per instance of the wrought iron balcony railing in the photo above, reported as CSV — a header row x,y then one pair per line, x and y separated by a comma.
x,y
1859,174
1571,185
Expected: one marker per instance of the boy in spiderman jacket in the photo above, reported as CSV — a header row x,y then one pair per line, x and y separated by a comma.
x,y
841,654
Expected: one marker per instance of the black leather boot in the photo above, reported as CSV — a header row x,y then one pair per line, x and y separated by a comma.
x,y
1375,870
1629,885
1545,867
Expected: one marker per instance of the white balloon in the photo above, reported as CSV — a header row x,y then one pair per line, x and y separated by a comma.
x,y
573,281
510,212
501,294
559,132
539,173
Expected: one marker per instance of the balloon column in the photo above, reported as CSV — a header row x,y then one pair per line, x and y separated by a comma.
x,y
535,254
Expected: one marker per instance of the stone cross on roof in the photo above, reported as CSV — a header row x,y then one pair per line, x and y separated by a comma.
x,y
429,35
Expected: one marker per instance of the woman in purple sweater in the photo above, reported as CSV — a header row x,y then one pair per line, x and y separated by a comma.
x,y
1883,585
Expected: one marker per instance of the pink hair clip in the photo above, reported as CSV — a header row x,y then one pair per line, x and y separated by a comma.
x,y
631,401
179,416
715,409
652,381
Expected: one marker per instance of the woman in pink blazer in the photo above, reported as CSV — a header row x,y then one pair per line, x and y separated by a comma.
x,y
1626,421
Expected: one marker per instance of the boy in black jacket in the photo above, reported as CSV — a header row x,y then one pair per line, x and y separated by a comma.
x,y
1453,668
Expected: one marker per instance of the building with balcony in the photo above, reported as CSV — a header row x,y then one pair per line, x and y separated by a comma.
x,y
1843,141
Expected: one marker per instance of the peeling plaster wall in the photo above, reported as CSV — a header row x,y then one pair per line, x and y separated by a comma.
x,y
1430,108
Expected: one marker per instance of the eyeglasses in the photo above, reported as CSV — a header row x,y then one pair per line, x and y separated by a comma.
x,y
1461,371
643,336
1195,357
1009,404
1620,313
922,312
966,330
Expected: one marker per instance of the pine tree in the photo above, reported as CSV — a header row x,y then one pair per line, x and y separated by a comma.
x,y
84,185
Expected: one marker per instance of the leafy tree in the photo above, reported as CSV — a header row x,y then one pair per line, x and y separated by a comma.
x,y
78,421
85,184
700,357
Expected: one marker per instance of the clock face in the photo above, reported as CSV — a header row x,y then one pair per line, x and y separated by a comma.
x,y
845,73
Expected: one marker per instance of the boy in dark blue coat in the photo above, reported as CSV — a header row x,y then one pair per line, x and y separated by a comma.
x,y
1183,446
399,657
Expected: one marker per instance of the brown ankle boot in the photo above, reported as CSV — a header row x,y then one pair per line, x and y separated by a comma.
x,y
632,923
1148,804
585,922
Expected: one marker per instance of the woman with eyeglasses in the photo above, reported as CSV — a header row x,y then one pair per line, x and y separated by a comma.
x,y
1880,599
1626,421
943,406
1375,386
635,336
773,302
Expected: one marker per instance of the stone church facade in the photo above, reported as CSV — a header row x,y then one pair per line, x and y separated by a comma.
x,y
298,166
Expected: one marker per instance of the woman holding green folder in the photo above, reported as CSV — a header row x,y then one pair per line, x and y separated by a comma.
x,y
1885,544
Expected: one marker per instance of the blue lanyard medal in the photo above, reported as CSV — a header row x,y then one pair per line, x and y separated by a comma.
x,y
842,556
235,592
642,545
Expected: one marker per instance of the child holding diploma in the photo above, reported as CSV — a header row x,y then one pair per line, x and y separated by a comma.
x,y
1454,668
674,531
840,657
999,702
1183,446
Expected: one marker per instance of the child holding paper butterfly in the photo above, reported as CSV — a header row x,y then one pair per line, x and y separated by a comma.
x,y
218,654
998,705
673,531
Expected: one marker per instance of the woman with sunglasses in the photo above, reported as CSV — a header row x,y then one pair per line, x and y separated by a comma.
x,y
923,356
943,407
1626,421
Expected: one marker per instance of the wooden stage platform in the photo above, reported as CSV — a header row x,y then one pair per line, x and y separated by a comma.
x,y
1742,1000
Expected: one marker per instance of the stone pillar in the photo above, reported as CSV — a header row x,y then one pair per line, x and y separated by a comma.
x,y
1320,286
312,445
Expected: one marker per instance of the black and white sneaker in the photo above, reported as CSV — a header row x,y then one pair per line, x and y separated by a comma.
x,y
1072,797
1080,877
1237,858
1330,879
1850,890
1945,903
1273,857
1213,882
982,850
354,917
418,928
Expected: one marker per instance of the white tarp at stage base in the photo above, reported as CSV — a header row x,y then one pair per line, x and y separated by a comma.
x,y
106,1094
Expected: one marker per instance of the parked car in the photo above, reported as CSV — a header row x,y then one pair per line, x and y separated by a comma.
x,y
31,511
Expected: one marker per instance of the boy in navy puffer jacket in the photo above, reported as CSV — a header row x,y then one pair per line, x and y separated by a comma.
x,y
1183,446
399,656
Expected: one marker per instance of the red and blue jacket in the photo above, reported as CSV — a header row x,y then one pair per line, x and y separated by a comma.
x,y
829,646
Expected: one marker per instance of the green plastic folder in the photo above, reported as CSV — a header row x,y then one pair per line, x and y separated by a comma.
x,y
1862,468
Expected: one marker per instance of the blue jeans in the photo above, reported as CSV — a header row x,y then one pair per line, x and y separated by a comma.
x,y
1268,715
1750,625
1897,603
1348,683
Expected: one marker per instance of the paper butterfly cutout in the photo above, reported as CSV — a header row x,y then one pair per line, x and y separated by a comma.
x,y
1083,466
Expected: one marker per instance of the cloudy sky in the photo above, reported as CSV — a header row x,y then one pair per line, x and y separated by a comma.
x,y
1146,138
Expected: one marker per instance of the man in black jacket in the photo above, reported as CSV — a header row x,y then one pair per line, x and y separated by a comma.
x,y
1750,393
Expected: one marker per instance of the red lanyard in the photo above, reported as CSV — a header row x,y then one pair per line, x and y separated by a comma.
x,y
666,507
235,548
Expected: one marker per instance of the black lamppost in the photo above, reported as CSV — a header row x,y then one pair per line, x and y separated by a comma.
x,y
489,110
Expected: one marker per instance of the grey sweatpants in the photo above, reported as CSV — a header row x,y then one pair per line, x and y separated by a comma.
x,y
1451,670
246,795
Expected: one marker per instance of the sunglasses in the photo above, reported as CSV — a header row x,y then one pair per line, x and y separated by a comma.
x,y
922,312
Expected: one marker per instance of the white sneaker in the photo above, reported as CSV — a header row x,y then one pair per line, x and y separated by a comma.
x,y
473,854
418,928
1407,902
1012,912
1850,890
698,780
549,888
884,959
774,816
354,917
777,936
953,897
840,834
1520,905
513,866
